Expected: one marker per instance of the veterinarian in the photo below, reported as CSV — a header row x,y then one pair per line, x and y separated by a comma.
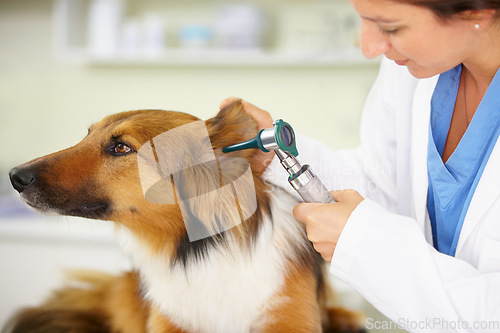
x,y
419,233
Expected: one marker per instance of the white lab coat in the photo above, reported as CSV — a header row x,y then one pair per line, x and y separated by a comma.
x,y
385,249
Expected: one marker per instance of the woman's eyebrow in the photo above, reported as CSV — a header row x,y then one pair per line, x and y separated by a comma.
x,y
379,19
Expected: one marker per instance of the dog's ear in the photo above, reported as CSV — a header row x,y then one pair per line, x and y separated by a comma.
x,y
232,125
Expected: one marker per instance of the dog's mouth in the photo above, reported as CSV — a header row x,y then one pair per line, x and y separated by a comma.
x,y
32,200
37,206
92,210
98,209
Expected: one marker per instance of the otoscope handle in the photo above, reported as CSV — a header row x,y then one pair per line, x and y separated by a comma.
x,y
315,191
309,187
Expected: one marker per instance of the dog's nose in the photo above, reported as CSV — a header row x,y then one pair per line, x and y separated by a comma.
x,y
21,178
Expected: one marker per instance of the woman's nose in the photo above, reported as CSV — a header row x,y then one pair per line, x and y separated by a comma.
x,y
373,41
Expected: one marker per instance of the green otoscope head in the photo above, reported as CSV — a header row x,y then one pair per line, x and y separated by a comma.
x,y
280,136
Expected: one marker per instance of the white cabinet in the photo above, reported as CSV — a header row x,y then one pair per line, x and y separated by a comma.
x,y
207,33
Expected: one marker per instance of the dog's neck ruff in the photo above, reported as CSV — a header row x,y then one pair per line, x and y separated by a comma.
x,y
228,289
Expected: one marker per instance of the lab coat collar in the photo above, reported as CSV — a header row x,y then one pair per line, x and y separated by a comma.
x,y
488,188
420,126
487,192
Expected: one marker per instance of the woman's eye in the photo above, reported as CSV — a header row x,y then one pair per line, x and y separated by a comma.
x,y
122,148
389,31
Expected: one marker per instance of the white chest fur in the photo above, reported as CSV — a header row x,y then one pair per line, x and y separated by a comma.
x,y
230,288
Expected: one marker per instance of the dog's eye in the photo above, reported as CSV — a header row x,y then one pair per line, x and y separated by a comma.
x,y
121,148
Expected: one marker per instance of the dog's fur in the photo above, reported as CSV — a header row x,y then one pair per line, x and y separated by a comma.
x,y
260,276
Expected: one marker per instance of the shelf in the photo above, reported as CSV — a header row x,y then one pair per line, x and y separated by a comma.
x,y
303,34
218,58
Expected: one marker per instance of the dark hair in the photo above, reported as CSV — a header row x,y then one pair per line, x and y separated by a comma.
x,y
450,8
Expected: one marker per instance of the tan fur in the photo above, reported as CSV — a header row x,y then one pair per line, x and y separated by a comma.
x,y
297,306
86,181
159,323
114,301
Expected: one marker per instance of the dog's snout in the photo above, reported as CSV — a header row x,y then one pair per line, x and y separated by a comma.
x,y
21,178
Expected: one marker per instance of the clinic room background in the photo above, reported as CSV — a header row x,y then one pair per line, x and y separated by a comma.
x,y
64,67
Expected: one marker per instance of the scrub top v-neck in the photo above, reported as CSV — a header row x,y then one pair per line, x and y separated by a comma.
x,y
452,184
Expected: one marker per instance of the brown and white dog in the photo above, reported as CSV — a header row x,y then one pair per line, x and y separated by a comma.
x,y
262,275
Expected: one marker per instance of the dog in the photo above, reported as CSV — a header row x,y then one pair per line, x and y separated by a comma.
x,y
258,274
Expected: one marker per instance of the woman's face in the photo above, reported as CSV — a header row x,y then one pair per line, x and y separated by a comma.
x,y
412,36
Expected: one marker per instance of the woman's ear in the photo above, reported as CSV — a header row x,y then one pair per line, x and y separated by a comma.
x,y
479,19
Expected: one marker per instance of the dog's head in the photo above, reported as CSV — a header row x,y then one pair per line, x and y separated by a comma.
x,y
100,177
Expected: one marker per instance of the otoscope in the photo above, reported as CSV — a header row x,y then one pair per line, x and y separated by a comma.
x,y
281,139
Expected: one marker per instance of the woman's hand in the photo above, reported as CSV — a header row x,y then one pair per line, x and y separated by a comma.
x,y
325,222
263,120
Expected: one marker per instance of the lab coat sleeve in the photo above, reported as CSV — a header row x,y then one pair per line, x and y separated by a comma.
x,y
371,169
386,258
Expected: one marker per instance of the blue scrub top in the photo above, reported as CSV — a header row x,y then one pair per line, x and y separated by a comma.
x,y
452,184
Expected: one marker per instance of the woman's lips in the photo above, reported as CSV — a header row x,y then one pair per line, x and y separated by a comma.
x,y
401,62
